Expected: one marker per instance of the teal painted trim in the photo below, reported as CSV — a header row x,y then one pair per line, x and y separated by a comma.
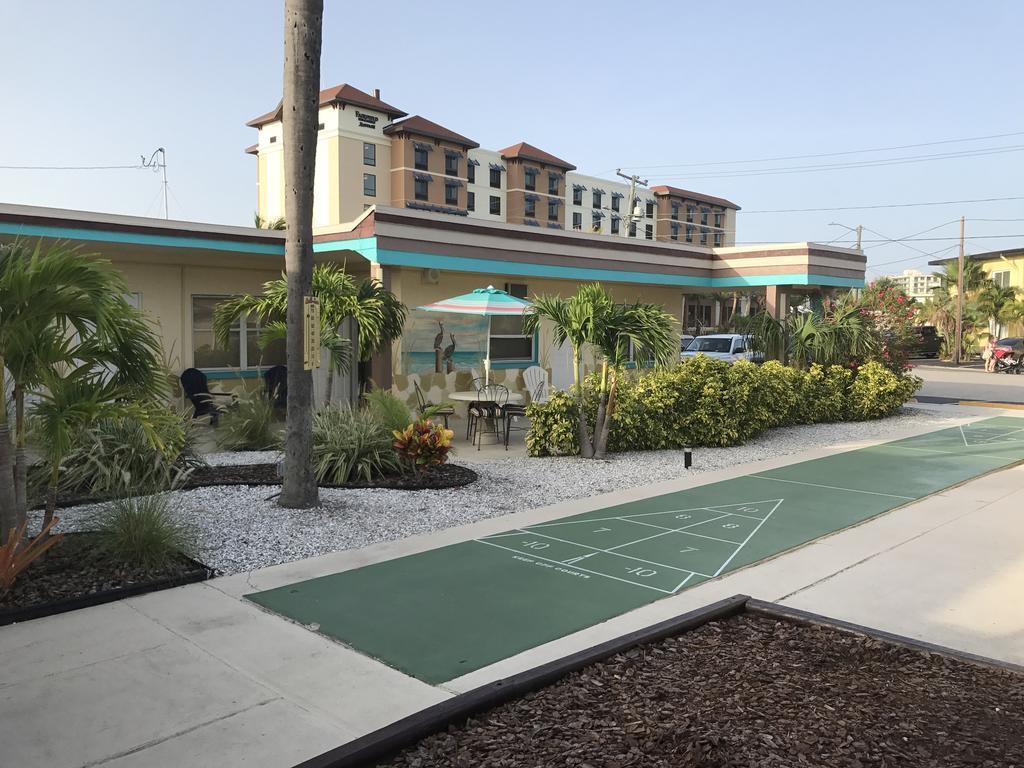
x,y
217,375
139,238
491,266
364,246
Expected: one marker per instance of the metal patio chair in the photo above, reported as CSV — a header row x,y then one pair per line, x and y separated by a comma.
x,y
488,408
196,387
423,406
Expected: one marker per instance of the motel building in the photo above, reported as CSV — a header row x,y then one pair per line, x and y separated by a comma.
x,y
431,214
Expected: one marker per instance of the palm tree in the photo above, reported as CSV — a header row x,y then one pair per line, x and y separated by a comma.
x,y
303,22
260,223
380,316
61,309
993,301
974,276
592,317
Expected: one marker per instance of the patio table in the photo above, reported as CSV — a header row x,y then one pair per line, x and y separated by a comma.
x,y
515,398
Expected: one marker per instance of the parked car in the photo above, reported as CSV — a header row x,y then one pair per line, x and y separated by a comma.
x,y
1012,344
684,342
927,342
723,346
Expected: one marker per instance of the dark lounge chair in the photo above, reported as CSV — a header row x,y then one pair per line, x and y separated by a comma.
x,y
275,385
197,389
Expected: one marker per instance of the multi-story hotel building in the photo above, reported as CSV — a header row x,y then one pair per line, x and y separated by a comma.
x,y
916,284
371,153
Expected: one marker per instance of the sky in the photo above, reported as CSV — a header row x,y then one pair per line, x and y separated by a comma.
x,y
680,93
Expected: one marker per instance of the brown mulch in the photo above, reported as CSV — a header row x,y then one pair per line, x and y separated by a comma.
x,y
751,691
78,566
437,478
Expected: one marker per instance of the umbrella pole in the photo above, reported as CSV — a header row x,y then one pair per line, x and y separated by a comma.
x,y
487,354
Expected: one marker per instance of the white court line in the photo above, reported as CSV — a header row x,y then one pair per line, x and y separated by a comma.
x,y
704,536
576,567
834,488
964,436
598,549
665,533
961,453
629,518
682,584
1002,435
741,546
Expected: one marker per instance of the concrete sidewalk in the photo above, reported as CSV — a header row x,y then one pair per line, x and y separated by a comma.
x,y
198,677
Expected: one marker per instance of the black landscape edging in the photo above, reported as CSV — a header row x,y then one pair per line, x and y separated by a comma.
x,y
797,616
199,573
391,739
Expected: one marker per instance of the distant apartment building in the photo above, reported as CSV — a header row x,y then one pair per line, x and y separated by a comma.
x,y
372,153
916,284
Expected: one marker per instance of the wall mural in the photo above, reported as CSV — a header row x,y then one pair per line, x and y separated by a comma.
x,y
435,342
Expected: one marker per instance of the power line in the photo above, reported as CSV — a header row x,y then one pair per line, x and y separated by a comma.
x,y
69,167
836,154
886,205
849,166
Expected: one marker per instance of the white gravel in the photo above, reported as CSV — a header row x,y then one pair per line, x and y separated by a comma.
x,y
240,529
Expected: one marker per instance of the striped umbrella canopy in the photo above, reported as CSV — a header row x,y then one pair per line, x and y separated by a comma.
x,y
488,302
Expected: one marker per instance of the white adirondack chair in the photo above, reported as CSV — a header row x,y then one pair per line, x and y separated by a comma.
x,y
536,379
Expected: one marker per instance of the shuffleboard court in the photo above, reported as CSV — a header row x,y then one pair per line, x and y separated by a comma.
x,y
446,612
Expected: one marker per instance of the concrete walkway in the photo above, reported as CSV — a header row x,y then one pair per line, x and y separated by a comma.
x,y
198,677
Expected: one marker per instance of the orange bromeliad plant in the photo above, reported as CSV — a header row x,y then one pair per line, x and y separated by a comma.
x,y
424,444
15,556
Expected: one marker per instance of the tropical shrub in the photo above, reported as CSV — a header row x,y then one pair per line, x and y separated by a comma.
x,y
142,532
876,392
389,410
16,555
119,457
248,425
423,445
891,314
707,402
351,446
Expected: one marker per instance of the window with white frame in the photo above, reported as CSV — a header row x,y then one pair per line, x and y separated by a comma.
x,y
1001,278
242,349
508,342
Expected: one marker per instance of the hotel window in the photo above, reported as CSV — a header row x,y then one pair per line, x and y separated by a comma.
x,y
470,201
552,184
421,189
597,198
689,214
451,194
451,164
508,342
615,202
689,233
703,218
632,229
552,210
471,172
242,349
718,239
595,222
1001,279
577,221
675,231
650,210
370,184
420,158
675,212
273,139
495,205
577,195
718,221
615,225
531,208
531,178
495,178
703,236
649,231
369,153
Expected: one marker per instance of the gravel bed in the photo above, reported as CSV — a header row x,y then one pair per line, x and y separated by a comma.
x,y
751,691
241,528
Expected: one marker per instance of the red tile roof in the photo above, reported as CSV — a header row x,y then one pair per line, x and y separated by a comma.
x,y
530,152
423,127
339,94
677,192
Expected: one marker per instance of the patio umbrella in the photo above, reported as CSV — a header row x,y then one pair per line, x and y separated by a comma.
x,y
487,302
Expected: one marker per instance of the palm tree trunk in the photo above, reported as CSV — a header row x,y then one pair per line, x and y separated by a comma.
x,y
601,438
20,455
602,405
8,506
586,446
51,501
303,20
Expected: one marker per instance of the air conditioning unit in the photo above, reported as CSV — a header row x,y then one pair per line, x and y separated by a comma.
x,y
431,276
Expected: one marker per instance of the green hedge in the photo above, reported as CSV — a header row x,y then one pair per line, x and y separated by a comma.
x,y
707,402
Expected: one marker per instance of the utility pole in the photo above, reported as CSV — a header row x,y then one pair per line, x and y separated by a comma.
x,y
859,230
633,181
160,165
957,351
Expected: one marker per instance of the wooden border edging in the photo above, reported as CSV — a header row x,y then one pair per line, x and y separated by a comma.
x,y
393,738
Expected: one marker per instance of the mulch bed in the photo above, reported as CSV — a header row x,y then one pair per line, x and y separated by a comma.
x,y
751,691
443,476
77,572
